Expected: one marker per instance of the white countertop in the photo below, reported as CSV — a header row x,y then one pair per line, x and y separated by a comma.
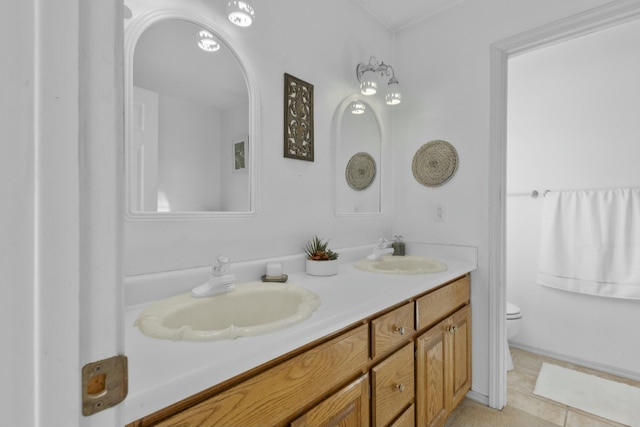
x,y
163,372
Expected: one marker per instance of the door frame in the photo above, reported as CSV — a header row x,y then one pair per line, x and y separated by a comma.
x,y
101,183
590,21
78,215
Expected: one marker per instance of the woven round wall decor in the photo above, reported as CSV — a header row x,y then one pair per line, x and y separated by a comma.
x,y
360,171
435,163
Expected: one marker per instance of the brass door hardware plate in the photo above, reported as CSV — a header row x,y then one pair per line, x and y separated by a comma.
x,y
104,384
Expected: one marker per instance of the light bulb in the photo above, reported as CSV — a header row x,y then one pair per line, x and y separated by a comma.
x,y
393,97
207,42
240,13
368,85
357,107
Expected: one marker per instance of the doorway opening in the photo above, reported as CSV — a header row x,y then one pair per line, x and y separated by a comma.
x,y
589,22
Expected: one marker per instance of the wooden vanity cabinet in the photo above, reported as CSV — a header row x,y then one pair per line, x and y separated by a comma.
x,y
409,365
443,356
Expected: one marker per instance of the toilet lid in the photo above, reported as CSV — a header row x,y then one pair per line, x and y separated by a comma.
x,y
513,311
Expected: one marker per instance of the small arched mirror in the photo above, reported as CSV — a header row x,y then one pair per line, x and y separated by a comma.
x,y
358,159
190,151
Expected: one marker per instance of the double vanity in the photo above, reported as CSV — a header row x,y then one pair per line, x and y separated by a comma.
x,y
380,348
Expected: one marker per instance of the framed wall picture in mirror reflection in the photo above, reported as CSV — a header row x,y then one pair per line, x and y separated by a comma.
x,y
239,152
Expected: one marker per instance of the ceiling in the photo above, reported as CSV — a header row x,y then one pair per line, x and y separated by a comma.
x,y
398,14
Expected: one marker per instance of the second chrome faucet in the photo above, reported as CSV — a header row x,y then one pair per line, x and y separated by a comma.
x,y
382,248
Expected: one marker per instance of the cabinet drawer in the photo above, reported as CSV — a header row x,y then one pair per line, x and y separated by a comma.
x,y
438,304
391,329
407,419
392,385
276,394
348,407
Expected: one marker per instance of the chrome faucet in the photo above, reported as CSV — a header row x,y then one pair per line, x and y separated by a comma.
x,y
220,264
382,248
218,283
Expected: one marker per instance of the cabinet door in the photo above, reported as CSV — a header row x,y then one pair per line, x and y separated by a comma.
x,y
431,366
443,368
348,407
460,355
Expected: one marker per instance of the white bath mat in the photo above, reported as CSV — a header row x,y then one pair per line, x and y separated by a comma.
x,y
607,399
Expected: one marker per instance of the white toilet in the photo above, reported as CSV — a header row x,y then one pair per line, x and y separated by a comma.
x,y
514,319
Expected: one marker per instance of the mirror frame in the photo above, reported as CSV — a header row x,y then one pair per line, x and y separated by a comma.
x,y
133,31
342,107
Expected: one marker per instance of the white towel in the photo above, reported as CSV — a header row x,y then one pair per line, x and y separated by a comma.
x,y
590,242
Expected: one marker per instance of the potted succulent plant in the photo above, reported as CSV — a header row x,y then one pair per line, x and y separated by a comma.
x,y
321,261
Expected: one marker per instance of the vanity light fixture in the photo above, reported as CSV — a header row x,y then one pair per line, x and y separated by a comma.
x,y
240,13
357,107
207,42
366,74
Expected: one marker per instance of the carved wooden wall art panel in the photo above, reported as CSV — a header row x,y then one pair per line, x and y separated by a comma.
x,y
298,118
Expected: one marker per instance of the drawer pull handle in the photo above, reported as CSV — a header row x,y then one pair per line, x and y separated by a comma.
x,y
400,387
453,329
399,329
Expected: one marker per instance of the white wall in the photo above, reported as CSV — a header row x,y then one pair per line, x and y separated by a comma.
x,y
444,60
573,124
17,220
320,42
189,151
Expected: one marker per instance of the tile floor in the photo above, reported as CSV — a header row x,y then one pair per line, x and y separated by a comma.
x,y
525,409
522,380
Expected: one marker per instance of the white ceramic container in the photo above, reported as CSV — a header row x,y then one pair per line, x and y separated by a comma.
x,y
322,268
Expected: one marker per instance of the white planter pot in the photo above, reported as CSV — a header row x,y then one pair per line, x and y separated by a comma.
x,y
322,268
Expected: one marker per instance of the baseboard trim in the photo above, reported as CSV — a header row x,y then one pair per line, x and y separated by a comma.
x,y
480,398
624,373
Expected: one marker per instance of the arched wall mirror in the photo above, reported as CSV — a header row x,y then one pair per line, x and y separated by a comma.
x,y
358,159
190,117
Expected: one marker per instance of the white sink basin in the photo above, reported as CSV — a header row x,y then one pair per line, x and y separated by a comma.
x,y
389,264
254,308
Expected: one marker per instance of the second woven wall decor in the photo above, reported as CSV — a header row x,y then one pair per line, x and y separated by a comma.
x,y
435,163
360,171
